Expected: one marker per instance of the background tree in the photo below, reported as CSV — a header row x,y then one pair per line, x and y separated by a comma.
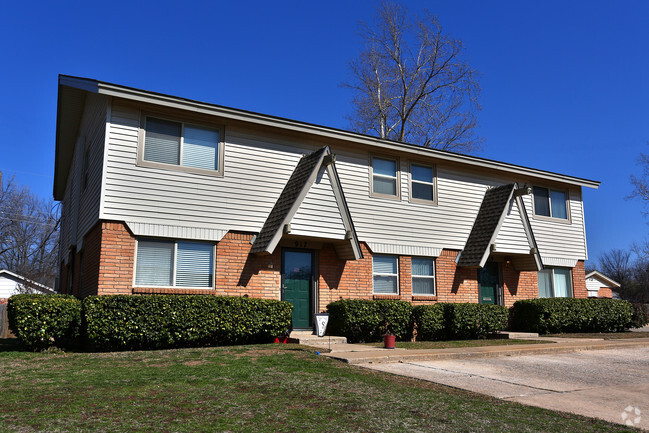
x,y
29,233
411,83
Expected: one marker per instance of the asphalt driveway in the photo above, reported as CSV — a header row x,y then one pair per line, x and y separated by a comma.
x,y
607,384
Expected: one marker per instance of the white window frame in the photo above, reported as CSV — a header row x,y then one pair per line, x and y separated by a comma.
x,y
433,184
179,167
554,293
428,277
567,219
386,275
174,263
396,177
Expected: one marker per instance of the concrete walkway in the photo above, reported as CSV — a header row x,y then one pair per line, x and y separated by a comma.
x,y
362,354
610,384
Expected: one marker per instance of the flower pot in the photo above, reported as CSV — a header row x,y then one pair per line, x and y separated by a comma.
x,y
388,341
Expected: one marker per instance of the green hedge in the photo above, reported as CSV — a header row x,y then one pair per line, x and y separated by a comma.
x,y
557,315
42,321
365,321
640,316
162,321
470,321
429,320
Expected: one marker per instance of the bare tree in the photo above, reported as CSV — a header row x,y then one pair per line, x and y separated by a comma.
x,y
29,234
411,83
616,264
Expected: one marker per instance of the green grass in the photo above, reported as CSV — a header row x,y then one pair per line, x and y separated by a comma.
x,y
604,335
267,388
456,343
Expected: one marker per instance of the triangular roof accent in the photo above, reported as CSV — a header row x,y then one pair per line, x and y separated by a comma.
x,y
488,222
603,278
296,189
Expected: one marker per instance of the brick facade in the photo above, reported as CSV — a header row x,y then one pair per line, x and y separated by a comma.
x,y
605,292
106,267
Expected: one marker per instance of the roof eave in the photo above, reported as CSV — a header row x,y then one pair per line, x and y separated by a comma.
x,y
326,132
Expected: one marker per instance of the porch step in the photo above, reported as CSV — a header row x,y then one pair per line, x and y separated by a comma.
x,y
310,339
508,335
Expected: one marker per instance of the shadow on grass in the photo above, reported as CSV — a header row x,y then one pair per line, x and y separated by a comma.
x,y
12,345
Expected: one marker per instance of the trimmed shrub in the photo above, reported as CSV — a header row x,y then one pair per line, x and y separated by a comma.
x,y
429,320
640,316
470,321
164,321
365,321
42,321
559,315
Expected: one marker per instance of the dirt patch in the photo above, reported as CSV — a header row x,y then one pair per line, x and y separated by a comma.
x,y
193,363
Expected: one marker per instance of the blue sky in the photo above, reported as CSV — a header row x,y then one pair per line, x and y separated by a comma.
x,y
565,85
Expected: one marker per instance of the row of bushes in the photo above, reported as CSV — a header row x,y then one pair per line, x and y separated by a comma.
x,y
364,321
145,322
556,315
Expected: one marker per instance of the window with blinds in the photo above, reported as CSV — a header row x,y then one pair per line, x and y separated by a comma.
x,y
385,275
423,276
177,143
174,264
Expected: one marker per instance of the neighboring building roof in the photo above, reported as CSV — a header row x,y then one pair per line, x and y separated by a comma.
x,y
491,215
297,187
13,276
609,282
71,102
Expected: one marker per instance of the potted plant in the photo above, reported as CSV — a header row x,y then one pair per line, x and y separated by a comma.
x,y
388,337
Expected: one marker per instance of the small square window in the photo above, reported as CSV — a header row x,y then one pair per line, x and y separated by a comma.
x,y
423,276
385,275
550,203
385,176
422,182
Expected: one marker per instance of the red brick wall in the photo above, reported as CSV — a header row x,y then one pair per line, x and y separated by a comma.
x,y
518,285
455,284
239,273
116,259
605,292
343,279
109,255
579,280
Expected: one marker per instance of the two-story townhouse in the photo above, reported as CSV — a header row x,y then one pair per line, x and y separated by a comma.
x,y
162,194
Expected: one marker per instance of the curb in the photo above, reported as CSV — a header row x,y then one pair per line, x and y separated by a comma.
x,y
404,355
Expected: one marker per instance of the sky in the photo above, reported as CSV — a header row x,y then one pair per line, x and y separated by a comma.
x,y
565,84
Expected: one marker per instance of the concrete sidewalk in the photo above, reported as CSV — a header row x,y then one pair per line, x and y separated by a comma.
x,y
362,354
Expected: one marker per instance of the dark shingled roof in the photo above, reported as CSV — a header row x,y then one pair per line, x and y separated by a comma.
x,y
491,211
294,186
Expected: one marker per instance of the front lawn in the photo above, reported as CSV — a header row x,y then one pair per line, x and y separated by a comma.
x,y
457,343
267,388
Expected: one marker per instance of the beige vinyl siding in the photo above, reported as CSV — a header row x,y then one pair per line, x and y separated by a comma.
x,y
255,173
511,237
80,210
257,166
318,215
558,238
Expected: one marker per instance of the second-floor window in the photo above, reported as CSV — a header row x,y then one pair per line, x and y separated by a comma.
x,y
182,144
550,202
385,177
422,183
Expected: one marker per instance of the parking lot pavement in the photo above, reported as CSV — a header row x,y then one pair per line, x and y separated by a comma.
x,y
607,384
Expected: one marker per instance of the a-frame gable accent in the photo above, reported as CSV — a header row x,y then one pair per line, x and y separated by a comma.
x,y
292,196
491,216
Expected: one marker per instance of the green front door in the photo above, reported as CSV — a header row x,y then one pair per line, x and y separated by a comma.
x,y
297,284
489,280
